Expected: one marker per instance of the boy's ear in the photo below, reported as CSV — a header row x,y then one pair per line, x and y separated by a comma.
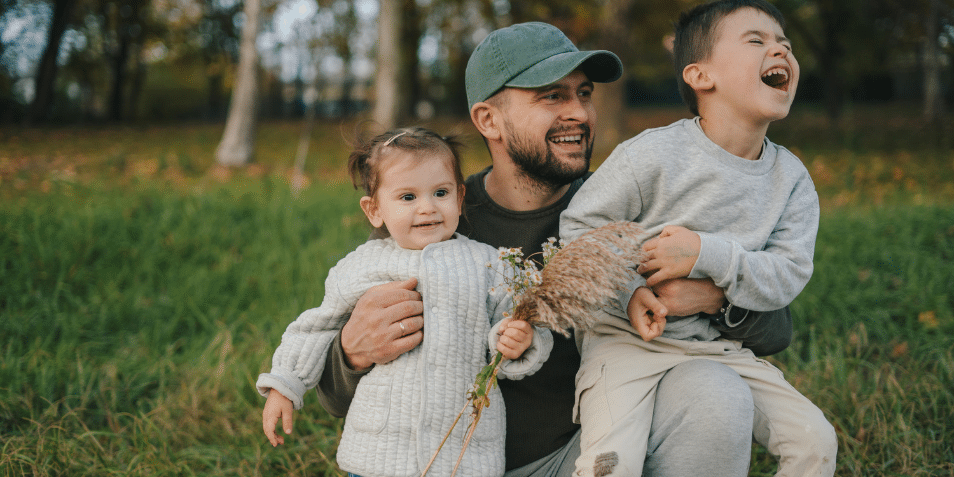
x,y
370,209
485,118
696,76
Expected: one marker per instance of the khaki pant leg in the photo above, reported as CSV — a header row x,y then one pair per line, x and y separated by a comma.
x,y
616,393
789,425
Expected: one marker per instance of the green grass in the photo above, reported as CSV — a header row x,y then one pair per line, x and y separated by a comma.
x,y
135,321
140,297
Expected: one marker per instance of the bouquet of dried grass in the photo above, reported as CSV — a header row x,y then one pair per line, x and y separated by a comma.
x,y
576,280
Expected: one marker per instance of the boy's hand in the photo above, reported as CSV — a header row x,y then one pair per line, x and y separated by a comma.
x,y
672,254
646,314
515,337
277,407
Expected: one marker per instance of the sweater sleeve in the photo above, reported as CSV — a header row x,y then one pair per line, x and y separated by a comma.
x,y
770,278
611,194
299,360
499,305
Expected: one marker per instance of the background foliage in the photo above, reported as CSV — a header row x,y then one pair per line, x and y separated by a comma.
x,y
142,289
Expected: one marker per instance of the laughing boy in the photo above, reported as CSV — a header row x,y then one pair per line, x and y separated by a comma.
x,y
729,206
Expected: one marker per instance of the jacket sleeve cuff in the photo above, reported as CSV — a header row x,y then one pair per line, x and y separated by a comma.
x,y
532,359
293,389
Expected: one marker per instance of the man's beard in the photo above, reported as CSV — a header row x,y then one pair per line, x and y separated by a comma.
x,y
539,165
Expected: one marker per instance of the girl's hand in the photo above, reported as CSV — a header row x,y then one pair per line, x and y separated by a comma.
x,y
277,407
515,337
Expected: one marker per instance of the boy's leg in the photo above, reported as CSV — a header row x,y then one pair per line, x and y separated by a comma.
x,y
615,412
788,424
702,424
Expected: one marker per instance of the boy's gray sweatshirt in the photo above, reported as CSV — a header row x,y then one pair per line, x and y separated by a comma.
x,y
757,219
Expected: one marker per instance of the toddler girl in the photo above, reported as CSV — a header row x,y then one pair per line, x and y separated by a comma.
x,y
403,409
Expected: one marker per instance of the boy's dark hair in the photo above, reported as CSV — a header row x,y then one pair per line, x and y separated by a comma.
x,y
366,157
695,36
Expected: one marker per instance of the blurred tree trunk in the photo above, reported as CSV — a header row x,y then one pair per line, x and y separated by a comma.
x,y
238,141
408,76
610,98
933,101
119,65
48,68
390,100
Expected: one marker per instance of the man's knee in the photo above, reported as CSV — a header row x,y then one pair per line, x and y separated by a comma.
x,y
704,389
702,424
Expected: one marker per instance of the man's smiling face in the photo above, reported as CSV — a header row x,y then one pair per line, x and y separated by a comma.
x,y
548,131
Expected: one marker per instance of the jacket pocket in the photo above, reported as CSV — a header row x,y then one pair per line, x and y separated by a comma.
x,y
371,405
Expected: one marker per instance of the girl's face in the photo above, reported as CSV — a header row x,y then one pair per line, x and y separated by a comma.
x,y
418,198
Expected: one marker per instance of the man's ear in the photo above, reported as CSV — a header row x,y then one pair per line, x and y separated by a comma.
x,y
696,76
370,209
485,118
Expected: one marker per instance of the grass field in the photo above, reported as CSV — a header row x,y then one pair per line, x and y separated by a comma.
x,y
142,290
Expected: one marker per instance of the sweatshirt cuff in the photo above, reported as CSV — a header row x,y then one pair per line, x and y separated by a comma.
x,y
530,361
625,294
714,257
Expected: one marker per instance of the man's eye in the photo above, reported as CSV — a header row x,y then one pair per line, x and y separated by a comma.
x,y
441,193
407,197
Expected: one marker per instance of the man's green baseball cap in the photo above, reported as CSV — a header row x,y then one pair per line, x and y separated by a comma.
x,y
531,55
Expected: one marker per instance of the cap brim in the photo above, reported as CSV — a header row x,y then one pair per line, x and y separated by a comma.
x,y
600,66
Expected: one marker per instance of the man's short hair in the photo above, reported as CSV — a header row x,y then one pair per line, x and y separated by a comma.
x,y
531,55
695,37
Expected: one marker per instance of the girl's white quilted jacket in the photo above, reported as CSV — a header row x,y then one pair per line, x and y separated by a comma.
x,y
402,410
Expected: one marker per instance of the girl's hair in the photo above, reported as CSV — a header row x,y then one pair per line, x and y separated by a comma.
x,y
364,162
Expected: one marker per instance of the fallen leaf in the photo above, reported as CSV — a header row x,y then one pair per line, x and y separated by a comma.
x,y
929,319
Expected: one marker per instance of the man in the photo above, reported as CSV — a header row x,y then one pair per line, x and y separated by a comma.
x,y
529,90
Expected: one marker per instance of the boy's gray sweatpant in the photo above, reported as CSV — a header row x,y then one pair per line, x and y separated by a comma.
x,y
702,425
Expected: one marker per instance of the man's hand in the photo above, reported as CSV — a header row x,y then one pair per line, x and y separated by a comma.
x,y
671,254
688,296
386,322
647,314
515,337
277,407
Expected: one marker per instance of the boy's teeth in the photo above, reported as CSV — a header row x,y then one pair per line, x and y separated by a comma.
x,y
775,77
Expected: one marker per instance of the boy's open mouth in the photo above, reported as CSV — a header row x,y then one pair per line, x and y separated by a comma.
x,y
777,78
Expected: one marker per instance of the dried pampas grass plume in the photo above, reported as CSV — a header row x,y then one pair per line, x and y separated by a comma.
x,y
582,277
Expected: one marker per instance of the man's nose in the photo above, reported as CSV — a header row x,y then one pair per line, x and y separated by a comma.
x,y
576,109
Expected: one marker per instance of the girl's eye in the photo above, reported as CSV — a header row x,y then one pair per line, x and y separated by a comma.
x,y
441,193
755,40
407,197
